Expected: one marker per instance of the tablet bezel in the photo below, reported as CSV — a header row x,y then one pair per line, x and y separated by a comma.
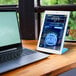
x,y
67,13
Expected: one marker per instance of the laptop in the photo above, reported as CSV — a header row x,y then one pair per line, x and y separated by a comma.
x,y
12,54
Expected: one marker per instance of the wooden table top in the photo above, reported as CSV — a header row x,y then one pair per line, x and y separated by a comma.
x,y
53,65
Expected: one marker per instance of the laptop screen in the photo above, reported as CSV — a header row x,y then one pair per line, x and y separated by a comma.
x,y
9,31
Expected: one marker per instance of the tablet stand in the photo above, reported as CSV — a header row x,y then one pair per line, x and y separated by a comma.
x,y
64,50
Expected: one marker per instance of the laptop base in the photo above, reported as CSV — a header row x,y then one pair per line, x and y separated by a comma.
x,y
64,50
21,61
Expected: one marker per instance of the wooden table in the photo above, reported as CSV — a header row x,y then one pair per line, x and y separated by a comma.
x,y
51,66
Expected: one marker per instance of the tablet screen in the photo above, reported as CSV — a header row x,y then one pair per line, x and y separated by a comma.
x,y
53,30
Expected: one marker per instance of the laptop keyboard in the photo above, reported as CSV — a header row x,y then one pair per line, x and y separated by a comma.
x,y
27,52
15,54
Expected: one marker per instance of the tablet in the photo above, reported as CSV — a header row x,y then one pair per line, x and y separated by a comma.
x,y
53,31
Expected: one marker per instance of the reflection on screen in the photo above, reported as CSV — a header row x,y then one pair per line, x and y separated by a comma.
x,y
9,33
52,32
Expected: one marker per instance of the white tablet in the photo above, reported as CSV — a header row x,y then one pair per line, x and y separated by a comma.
x,y
53,31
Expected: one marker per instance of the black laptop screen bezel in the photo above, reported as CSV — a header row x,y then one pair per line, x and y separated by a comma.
x,y
16,45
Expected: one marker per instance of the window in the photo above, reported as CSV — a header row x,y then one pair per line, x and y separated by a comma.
x,y
68,5
35,3
8,2
56,2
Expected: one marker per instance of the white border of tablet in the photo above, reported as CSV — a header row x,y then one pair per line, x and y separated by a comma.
x,y
67,13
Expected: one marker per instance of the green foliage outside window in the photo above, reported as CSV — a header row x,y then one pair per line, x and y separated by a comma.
x,y
8,2
54,2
